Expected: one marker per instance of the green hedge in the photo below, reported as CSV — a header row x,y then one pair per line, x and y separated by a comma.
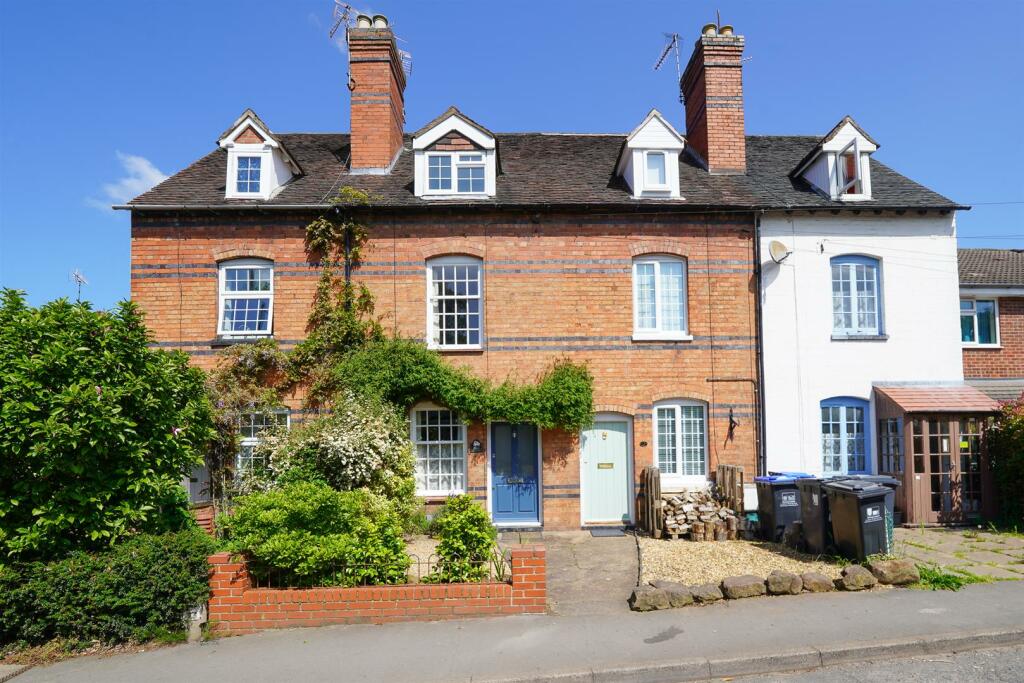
x,y
467,542
131,592
1006,451
308,534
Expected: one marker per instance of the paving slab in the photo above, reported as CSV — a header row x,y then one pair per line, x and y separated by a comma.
x,y
985,557
992,572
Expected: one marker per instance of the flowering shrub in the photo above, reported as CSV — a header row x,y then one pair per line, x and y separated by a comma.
x,y
361,443
1006,452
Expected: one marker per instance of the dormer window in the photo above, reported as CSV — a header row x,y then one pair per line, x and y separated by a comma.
x,y
249,174
839,166
454,158
257,162
649,162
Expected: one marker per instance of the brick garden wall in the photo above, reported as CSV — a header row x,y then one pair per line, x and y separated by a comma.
x,y
1008,360
236,607
556,285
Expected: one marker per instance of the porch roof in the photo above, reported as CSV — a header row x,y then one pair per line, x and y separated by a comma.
x,y
959,398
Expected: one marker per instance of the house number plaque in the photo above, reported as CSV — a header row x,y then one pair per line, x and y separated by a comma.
x,y
605,465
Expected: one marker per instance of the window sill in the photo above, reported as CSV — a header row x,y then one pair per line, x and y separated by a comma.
x,y
983,347
662,336
676,483
438,496
456,195
222,340
472,348
860,337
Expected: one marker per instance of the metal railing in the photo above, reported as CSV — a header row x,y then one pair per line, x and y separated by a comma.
x,y
497,567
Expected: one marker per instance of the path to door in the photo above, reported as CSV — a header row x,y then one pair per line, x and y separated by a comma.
x,y
587,575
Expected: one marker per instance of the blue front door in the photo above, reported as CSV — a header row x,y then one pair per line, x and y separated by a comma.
x,y
515,490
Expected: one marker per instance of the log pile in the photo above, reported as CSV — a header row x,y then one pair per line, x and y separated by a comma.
x,y
700,516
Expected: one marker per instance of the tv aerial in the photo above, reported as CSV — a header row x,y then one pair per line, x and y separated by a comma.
x,y
79,279
671,47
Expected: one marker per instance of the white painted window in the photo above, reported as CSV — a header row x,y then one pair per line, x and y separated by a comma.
x,y
979,322
246,298
680,441
469,171
856,297
655,171
248,174
439,437
844,440
659,298
251,427
455,302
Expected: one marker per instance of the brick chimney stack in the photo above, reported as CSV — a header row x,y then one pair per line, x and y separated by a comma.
x,y
712,88
378,95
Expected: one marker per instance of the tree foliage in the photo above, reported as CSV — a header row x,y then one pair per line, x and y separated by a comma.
x,y
96,429
1006,452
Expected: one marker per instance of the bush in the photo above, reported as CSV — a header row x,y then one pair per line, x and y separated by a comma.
x,y
141,588
96,429
466,541
1006,452
307,534
362,443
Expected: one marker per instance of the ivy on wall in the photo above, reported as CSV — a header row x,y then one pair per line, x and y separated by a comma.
x,y
346,349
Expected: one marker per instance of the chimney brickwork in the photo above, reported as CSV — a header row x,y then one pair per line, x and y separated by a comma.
x,y
378,98
712,88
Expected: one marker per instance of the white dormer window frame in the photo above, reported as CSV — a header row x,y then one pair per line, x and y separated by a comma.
x,y
277,167
248,151
662,185
653,141
471,173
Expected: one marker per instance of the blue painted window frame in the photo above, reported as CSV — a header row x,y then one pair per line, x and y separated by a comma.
x,y
855,330
845,403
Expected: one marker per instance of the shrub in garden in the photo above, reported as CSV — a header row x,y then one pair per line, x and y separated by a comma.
x,y
1006,452
466,541
361,443
96,429
137,589
306,534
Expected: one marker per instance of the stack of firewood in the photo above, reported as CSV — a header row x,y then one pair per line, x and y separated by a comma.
x,y
699,516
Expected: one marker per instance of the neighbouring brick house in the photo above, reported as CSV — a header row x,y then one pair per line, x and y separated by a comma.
x,y
992,320
634,254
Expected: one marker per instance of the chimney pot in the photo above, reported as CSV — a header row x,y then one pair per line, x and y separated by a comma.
x,y
709,30
380,21
363,21
725,30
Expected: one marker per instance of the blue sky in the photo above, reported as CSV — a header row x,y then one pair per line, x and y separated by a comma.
x,y
100,99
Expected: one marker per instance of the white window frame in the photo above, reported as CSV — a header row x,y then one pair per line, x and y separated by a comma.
x,y
656,187
678,480
223,294
456,163
252,441
847,263
267,171
974,317
259,183
431,297
860,178
464,443
657,333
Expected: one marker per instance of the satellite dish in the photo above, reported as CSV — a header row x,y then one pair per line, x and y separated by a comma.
x,y
778,251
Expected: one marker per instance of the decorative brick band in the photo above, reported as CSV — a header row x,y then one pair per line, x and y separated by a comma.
x,y
236,607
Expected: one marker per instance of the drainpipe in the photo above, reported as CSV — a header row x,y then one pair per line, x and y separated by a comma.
x,y
762,466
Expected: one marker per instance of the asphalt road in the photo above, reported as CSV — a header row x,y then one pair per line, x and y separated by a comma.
x,y
1004,664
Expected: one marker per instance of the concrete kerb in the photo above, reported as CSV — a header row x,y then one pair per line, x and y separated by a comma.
x,y
9,671
700,669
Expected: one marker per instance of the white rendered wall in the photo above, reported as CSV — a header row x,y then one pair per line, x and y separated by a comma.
x,y
803,365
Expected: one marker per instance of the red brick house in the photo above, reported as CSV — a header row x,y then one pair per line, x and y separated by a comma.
x,y
634,254
992,320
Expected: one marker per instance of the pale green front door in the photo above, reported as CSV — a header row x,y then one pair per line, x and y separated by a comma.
x,y
604,467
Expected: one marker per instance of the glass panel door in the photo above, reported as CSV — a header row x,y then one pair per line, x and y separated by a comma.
x,y
970,466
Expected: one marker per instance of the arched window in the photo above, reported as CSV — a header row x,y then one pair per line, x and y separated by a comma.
x,y
680,441
455,302
845,442
246,298
659,297
856,296
439,436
